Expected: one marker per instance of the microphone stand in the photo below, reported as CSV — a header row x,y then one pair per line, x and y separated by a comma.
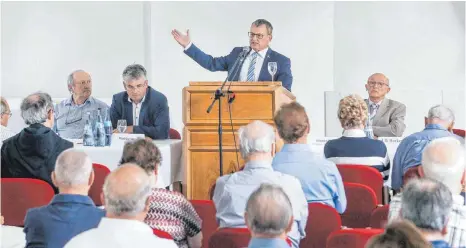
x,y
217,96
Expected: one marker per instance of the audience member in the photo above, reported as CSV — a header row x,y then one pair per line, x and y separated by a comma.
x,y
427,203
5,113
32,152
70,212
232,191
320,179
144,109
126,194
354,147
439,123
169,211
70,114
399,234
443,160
386,115
269,217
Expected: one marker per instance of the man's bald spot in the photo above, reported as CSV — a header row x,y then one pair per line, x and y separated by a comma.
x,y
378,77
256,129
127,179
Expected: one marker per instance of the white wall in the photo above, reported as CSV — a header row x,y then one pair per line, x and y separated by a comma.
x,y
332,46
42,42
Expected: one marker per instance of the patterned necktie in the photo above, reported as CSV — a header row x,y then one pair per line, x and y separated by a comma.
x,y
252,68
373,110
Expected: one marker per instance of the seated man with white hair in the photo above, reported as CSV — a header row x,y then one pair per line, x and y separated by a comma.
x,y
269,217
126,194
439,123
427,204
72,211
444,160
232,191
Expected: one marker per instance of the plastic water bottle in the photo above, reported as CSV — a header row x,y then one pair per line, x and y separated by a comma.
x,y
368,129
108,128
100,131
88,137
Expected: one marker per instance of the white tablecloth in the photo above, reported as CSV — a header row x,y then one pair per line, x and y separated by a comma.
x,y
317,145
12,237
170,170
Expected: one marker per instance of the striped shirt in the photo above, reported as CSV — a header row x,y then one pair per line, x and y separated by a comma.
x,y
355,148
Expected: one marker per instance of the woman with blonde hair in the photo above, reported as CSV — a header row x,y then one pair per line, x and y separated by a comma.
x,y
354,147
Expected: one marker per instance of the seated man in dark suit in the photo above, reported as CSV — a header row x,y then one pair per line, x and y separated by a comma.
x,y
144,109
254,66
69,213
32,152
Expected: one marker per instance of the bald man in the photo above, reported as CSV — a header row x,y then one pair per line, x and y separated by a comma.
x,y
387,116
125,195
70,114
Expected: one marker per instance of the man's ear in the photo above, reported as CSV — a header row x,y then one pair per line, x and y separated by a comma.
x,y
290,225
444,230
91,178
420,171
54,179
102,198
388,90
246,219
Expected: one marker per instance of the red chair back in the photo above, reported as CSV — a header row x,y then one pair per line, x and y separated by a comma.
x,y
230,238
365,175
321,222
361,202
354,238
21,194
379,217
161,234
174,134
460,132
100,173
411,173
206,211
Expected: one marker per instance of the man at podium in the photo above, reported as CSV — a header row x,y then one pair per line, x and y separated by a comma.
x,y
257,62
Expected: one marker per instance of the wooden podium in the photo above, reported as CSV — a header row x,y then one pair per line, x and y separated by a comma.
x,y
254,101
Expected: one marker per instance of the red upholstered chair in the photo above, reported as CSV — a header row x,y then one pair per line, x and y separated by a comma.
x,y
363,174
321,222
100,173
230,238
379,217
21,194
351,238
174,134
411,173
161,234
361,201
206,211
459,132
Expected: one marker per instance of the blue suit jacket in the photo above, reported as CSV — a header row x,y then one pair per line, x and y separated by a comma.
x,y
66,216
154,118
225,63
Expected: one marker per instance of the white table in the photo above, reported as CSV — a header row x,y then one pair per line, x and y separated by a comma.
x,y
170,170
317,145
12,237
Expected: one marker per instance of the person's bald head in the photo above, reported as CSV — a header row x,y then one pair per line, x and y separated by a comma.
x,y
256,137
443,159
126,191
378,86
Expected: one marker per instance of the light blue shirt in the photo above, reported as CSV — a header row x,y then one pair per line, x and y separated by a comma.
x,y
409,152
232,192
71,118
267,243
320,179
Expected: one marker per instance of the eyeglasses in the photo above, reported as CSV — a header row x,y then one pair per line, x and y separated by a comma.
x,y
259,36
83,82
8,113
378,84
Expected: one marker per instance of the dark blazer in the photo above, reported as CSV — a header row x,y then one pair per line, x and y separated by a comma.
x,y
225,63
154,119
389,121
66,216
32,153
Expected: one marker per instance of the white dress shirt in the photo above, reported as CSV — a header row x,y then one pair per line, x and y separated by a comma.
x,y
243,76
6,133
119,233
136,110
